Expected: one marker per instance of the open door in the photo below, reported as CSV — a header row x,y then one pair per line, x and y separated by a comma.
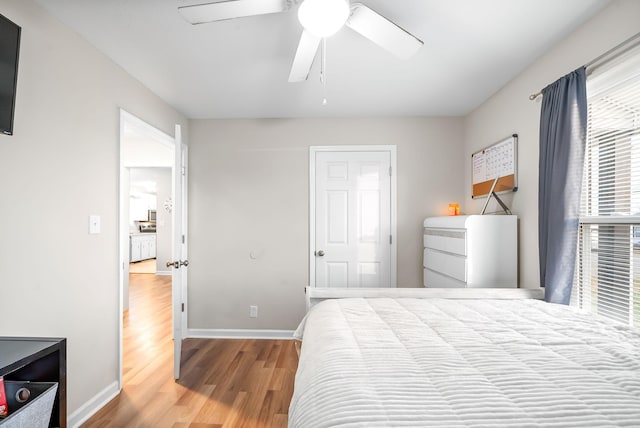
x,y
179,262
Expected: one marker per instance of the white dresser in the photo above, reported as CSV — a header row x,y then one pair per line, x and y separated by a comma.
x,y
471,251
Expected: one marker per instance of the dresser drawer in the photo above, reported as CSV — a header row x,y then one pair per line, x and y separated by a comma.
x,y
447,264
435,280
447,240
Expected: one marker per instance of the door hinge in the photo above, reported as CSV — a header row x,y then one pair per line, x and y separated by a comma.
x,y
183,239
390,169
184,170
390,239
183,307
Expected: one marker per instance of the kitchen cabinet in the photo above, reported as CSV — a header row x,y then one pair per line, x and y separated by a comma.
x,y
142,247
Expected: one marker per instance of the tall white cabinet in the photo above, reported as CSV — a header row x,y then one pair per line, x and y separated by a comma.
x,y
471,251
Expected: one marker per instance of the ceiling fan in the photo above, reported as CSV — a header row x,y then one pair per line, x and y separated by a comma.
x,y
319,19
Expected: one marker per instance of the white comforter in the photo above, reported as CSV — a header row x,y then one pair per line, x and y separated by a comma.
x,y
463,363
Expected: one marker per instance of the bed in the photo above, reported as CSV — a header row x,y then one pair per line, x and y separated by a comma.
x,y
373,362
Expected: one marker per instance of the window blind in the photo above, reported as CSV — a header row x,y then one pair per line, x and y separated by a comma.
x,y
608,265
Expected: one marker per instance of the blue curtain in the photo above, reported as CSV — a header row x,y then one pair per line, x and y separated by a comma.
x,y
563,128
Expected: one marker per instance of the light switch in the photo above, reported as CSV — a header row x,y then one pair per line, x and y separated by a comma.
x,y
94,224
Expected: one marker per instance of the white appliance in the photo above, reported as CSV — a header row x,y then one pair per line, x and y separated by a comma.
x,y
473,251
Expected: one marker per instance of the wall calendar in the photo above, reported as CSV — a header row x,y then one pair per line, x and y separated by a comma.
x,y
498,160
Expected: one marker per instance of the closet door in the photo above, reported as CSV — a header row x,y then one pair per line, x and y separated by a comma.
x,y
353,222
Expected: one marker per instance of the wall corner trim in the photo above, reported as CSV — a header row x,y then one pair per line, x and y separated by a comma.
x,y
94,404
195,333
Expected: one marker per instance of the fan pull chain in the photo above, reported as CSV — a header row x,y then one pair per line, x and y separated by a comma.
x,y
323,67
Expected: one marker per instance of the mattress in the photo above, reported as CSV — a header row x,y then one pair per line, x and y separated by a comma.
x,y
463,363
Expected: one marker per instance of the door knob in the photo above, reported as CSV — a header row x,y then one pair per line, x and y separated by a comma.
x,y
177,264
320,253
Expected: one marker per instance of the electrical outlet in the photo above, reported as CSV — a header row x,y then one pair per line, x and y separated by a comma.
x,y
253,311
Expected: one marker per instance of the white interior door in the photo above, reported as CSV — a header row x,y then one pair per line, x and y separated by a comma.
x,y
180,262
352,235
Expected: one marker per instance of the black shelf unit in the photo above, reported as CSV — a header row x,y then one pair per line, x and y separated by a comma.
x,y
38,359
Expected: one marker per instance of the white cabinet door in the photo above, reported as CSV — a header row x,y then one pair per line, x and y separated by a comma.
x,y
144,248
153,247
353,219
134,248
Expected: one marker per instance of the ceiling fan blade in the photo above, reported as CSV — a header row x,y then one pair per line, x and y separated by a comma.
x,y
383,32
306,53
229,9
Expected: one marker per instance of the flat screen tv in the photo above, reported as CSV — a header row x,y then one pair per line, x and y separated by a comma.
x,y
9,50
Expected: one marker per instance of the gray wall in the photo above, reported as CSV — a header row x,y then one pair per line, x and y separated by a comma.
x,y
510,111
248,192
59,167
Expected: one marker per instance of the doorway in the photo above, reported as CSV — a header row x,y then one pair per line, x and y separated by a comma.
x,y
147,163
150,195
352,216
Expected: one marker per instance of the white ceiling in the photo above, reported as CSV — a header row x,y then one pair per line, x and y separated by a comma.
x,y
239,68
140,149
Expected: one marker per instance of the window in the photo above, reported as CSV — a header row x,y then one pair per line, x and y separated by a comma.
x,y
608,265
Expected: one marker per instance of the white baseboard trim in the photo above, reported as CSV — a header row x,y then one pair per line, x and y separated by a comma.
x,y
198,333
96,403
163,272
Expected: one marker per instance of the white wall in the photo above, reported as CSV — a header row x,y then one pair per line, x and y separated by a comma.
x,y
510,111
248,192
144,148
59,167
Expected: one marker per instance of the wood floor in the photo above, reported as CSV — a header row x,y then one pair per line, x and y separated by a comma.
x,y
144,266
223,383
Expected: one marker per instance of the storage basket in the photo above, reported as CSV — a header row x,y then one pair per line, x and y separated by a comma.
x,y
35,412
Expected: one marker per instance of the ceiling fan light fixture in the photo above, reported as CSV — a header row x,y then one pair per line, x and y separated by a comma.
x,y
323,18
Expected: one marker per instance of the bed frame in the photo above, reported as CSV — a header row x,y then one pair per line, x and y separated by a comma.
x,y
315,295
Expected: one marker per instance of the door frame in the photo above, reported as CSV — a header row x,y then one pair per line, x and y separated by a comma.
x,y
391,149
159,136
